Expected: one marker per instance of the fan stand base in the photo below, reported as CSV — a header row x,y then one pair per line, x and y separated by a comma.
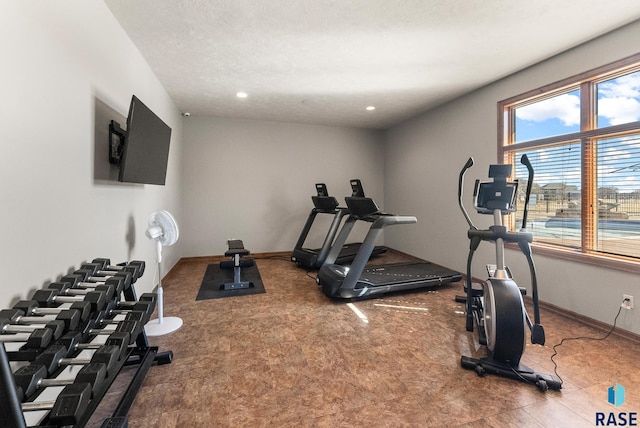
x,y
169,325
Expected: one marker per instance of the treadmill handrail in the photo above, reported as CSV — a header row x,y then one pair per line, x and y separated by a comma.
x,y
340,240
389,220
366,249
338,214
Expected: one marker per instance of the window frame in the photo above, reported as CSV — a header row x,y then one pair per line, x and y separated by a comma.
x,y
587,83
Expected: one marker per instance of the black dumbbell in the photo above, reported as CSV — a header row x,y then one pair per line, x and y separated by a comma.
x,y
68,408
107,316
92,273
7,326
73,341
132,322
65,289
31,308
10,323
116,308
96,270
131,326
77,280
70,317
38,339
56,356
32,377
51,298
139,265
145,298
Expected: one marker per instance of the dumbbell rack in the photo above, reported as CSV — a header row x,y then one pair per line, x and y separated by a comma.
x,y
142,356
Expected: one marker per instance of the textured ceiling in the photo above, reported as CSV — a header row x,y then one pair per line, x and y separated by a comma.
x,y
323,62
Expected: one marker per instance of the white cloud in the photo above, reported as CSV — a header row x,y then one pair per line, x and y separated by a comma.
x,y
626,86
569,176
565,107
619,99
544,155
615,152
619,110
623,184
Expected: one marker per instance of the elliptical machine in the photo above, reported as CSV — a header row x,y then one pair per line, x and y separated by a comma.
x,y
497,309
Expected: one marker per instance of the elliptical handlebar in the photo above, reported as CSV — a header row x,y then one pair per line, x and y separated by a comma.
x,y
525,161
466,166
537,331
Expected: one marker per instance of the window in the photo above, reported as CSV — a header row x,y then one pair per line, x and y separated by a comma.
x,y
582,136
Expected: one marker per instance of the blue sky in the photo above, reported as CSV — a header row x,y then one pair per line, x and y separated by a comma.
x,y
618,102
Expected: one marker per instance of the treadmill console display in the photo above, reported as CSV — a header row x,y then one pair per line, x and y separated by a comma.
x,y
321,188
356,188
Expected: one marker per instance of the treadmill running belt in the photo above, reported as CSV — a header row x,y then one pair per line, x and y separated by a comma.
x,y
422,272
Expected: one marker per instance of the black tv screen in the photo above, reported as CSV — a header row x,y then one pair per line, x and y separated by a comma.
x,y
146,146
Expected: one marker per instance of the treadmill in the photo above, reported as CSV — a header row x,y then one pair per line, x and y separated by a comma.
x,y
359,281
314,258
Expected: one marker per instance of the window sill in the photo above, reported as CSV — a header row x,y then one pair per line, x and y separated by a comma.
x,y
620,263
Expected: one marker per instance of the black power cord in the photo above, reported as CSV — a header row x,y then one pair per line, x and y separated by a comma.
x,y
555,347
310,275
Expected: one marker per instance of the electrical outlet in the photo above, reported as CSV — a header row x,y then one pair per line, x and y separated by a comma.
x,y
627,301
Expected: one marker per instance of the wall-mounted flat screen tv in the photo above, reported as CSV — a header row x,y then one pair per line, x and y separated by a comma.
x,y
145,152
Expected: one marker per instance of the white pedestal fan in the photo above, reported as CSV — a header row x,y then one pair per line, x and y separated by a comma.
x,y
164,230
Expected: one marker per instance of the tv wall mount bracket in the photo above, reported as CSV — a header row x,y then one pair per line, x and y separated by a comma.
x,y
116,142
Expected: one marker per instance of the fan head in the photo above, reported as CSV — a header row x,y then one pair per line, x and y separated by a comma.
x,y
163,228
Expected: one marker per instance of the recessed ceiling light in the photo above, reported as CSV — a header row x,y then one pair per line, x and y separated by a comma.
x,y
370,108
242,94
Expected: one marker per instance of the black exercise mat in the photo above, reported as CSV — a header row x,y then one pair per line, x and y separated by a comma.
x,y
212,286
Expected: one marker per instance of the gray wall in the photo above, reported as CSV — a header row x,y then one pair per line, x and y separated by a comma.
x,y
66,67
253,180
423,157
